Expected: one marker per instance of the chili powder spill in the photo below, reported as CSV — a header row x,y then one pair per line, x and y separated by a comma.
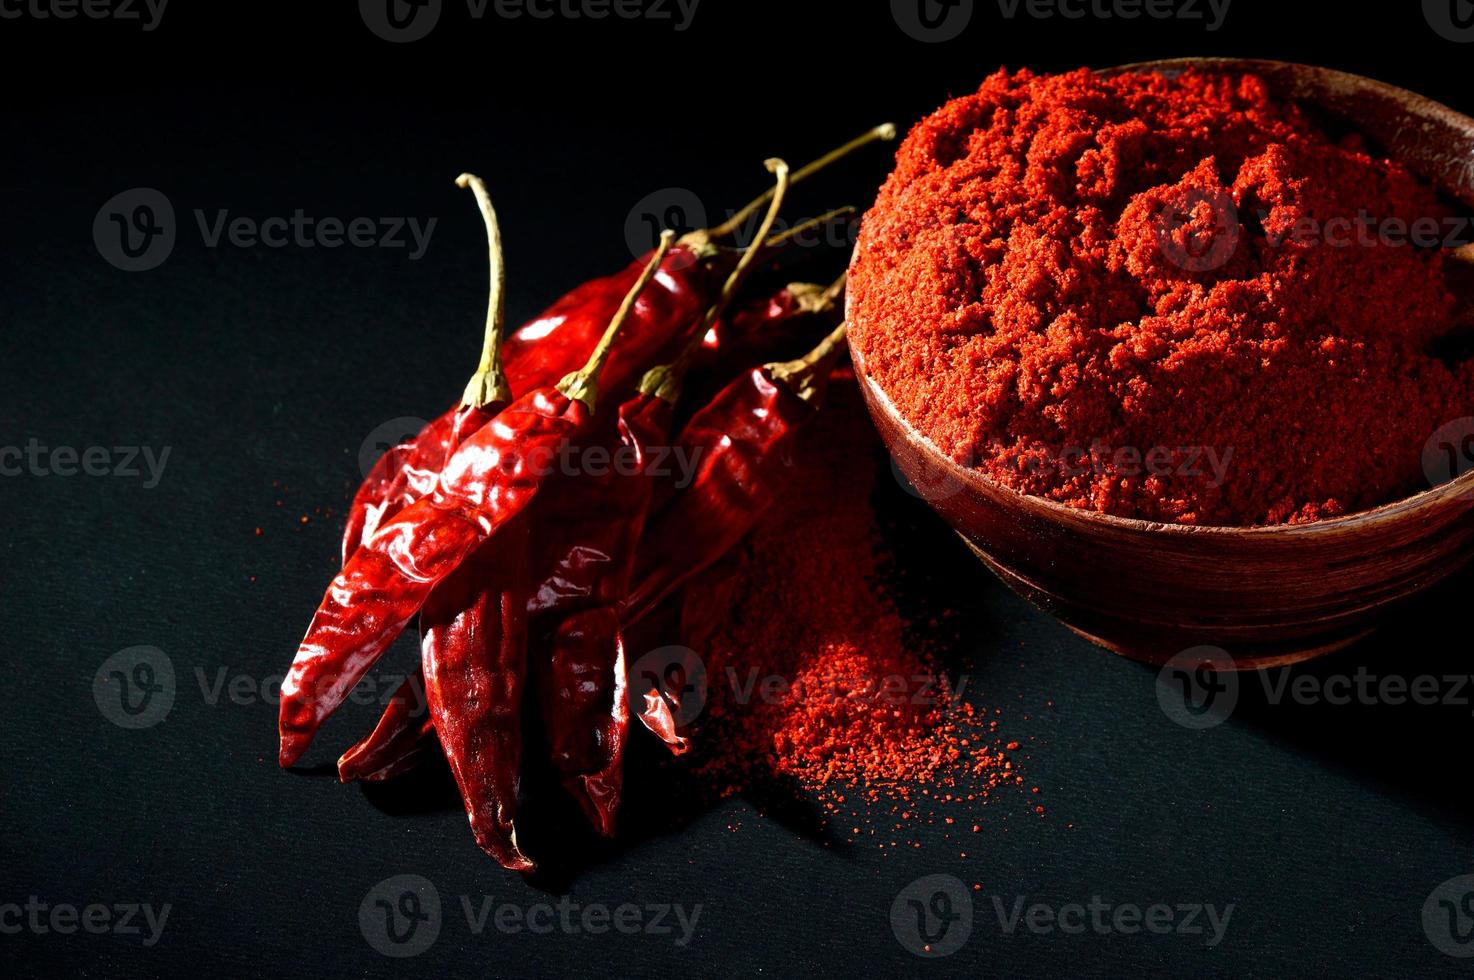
x,y
1067,273
812,673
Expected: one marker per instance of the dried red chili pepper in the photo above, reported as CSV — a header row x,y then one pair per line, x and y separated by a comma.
x,y
408,471
474,654
557,341
473,645
406,719
776,328
593,528
750,334
565,325
745,439
487,482
402,738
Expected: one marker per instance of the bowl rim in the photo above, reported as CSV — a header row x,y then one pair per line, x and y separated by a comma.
x,y
1395,510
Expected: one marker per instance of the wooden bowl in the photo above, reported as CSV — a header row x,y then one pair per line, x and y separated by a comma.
x,y
1266,595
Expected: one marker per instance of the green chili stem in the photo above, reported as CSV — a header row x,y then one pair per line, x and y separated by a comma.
x,y
584,385
885,131
489,383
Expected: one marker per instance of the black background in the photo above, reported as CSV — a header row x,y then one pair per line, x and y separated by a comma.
x,y
263,370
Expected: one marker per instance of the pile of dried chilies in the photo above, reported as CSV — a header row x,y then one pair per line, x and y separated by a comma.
x,y
525,572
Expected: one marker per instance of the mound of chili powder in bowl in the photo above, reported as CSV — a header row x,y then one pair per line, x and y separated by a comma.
x,y
1174,299
815,679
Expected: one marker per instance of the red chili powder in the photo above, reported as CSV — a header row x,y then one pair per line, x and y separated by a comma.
x,y
813,675
1140,296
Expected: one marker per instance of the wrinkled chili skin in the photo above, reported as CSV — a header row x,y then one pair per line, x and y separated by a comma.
x,y
397,742
559,340
473,649
586,710
408,471
539,354
589,526
588,531
406,722
745,439
487,481
771,328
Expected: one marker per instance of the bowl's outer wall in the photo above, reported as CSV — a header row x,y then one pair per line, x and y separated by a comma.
x,y
1265,595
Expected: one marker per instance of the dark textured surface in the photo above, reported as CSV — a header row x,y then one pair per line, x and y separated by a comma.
x,y
263,370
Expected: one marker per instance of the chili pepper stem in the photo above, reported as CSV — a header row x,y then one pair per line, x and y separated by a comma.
x,y
665,381
807,375
583,385
811,298
885,131
783,237
489,383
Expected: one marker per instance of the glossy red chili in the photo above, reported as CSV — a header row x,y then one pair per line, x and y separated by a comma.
x,y
487,482
744,440
557,341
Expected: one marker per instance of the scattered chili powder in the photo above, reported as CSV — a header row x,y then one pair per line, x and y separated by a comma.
x,y
1067,272
810,675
